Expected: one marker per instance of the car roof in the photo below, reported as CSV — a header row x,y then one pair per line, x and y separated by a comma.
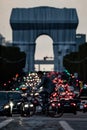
x,y
10,92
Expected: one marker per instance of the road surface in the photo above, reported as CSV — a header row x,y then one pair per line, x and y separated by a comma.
x,y
37,122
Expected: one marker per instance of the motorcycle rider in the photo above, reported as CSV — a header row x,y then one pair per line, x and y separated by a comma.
x,y
48,87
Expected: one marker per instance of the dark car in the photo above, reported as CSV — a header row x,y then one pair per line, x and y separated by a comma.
x,y
69,105
16,98
10,102
83,99
83,93
4,104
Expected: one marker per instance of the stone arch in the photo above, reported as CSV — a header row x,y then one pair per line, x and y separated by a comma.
x,y
60,24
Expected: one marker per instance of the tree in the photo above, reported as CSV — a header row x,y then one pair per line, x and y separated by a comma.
x,y
12,61
77,62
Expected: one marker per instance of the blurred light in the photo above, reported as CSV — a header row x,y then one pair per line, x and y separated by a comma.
x,y
17,89
4,84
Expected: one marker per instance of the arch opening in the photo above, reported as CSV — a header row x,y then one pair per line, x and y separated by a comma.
x,y
44,53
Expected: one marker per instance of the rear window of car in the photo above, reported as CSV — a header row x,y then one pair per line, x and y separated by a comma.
x,y
83,92
3,96
14,95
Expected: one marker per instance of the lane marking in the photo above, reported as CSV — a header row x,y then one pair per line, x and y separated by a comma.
x,y
4,123
65,125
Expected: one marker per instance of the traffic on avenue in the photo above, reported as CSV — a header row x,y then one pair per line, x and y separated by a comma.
x,y
25,104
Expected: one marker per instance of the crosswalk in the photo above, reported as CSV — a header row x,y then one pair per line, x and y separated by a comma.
x,y
68,121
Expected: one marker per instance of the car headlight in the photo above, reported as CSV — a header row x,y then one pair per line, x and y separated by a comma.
x,y
31,94
6,106
18,103
11,104
36,94
26,105
31,105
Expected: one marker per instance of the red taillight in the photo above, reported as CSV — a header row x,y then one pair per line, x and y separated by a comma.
x,y
73,104
54,94
85,105
70,97
58,104
55,99
5,84
53,105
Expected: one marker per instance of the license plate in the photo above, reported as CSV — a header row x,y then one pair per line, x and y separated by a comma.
x,y
66,105
81,106
38,109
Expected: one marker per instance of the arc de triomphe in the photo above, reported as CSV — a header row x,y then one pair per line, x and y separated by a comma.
x,y
29,23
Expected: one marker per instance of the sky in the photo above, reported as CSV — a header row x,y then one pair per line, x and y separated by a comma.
x,y
7,5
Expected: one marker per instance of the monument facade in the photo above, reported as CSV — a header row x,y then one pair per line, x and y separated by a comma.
x,y
29,23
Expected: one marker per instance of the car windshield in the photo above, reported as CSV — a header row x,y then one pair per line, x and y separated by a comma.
x,y
3,96
15,96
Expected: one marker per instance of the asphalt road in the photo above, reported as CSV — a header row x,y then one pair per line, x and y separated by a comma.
x,y
66,122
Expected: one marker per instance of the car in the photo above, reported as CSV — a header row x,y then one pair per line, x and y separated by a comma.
x,y
4,104
68,105
16,98
83,99
83,93
10,102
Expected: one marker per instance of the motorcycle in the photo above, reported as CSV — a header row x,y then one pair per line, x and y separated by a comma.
x,y
46,105
40,102
55,108
27,108
37,102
